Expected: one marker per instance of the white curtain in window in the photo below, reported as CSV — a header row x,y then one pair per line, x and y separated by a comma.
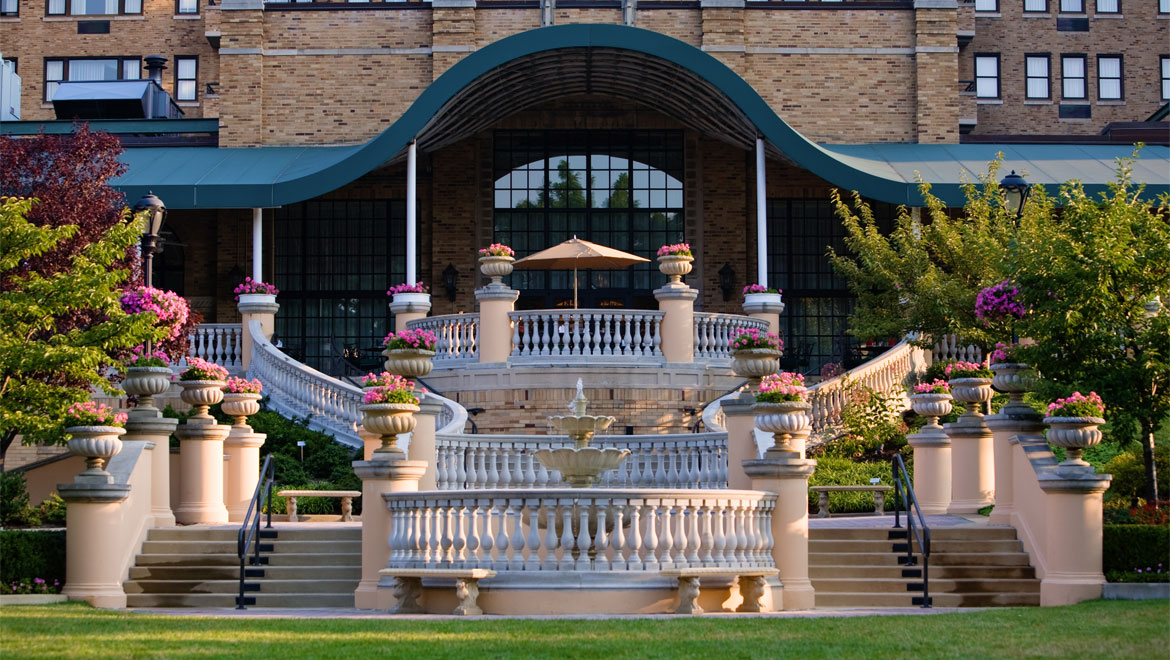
x,y
131,69
185,73
8,7
56,6
1165,78
92,7
1164,6
54,71
986,5
133,7
1073,72
1035,5
93,69
1072,6
1107,7
188,6
1109,77
1037,75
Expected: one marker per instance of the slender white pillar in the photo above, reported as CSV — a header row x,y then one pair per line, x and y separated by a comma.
x,y
761,216
258,244
411,213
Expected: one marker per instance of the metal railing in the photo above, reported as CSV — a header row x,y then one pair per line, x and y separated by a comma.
x,y
916,529
249,535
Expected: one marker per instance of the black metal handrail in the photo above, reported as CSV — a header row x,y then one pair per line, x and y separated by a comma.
x,y
904,497
249,535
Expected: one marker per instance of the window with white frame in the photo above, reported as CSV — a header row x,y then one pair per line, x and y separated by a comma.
x,y
186,70
987,76
1108,6
187,7
1036,5
1072,6
1166,77
84,69
1072,75
94,7
1036,76
986,5
1109,77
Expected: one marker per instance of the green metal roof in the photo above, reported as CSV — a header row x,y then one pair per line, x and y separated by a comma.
x,y
204,177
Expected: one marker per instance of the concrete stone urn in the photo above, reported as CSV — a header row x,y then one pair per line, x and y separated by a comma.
x,y
389,420
201,394
755,363
783,419
932,405
1074,435
496,267
1013,379
146,383
241,406
675,266
257,303
972,390
96,444
408,362
762,303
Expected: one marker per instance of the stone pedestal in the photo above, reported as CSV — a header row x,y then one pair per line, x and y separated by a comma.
x,y
972,464
260,307
380,477
150,426
741,442
371,442
786,474
678,325
1010,422
766,307
1074,534
242,469
409,307
93,546
495,328
422,440
932,469
201,488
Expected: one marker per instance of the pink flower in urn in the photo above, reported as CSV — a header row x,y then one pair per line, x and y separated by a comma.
x,y
417,287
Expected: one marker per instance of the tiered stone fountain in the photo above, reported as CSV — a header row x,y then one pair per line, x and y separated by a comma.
x,y
581,465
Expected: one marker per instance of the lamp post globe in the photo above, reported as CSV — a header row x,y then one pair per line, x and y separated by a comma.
x,y
1015,190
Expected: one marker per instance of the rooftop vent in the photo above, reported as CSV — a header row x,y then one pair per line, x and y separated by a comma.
x,y
118,99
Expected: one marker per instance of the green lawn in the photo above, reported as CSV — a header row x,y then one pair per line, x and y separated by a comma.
x,y
1096,629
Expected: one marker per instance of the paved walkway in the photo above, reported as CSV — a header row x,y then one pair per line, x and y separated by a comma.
x,y
338,613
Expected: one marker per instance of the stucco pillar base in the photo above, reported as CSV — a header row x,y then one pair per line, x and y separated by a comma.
x,y
379,477
422,441
1011,421
201,488
677,301
243,469
972,465
741,443
1074,534
932,469
92,561
495,328
786,474
260,308
371,442
409,309
150,426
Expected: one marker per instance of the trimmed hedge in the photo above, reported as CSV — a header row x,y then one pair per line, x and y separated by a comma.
x,y
834,471
32,554
1128,548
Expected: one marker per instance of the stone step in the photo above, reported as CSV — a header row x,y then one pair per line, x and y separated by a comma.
x,y
205,533
233,572
936,533
914,585
862,599
283,546
939,572
275,559
892,559
301,600
252,586
936,546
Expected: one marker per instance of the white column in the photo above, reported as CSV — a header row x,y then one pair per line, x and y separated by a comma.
x,y
258,244
411,213
761,216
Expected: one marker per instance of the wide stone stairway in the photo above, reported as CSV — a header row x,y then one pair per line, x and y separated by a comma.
x,y
970,566
198,566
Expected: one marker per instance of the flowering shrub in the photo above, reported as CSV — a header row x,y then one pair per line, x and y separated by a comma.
x,y
375,380
676,250
936,386
417,339
200,369
392,388
831,370
140,358
759,288
170,308
1003,353
417,287
746,338
88,413
962,369
250,285
999,302
240,386
780,387
497,250
31,586
1078,405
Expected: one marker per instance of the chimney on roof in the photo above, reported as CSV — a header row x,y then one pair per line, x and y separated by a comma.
x,y
154,67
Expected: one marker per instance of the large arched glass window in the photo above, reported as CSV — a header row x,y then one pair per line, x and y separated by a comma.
x,y
622,189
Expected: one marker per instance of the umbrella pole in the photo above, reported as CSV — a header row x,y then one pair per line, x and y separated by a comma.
x,y
574,287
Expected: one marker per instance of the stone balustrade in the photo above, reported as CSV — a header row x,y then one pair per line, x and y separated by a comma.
x,y
581,530
693,460
713,333
586,332
457,336
221,343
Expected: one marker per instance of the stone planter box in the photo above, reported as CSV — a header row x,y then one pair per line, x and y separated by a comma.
x,y
32,599
1135,590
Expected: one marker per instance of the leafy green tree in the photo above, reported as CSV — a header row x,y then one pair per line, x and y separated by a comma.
x,y
47,359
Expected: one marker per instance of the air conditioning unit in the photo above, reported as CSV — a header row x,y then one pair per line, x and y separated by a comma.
x,y
9,91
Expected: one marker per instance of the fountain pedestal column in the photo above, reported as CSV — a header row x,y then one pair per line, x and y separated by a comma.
x,y
786,474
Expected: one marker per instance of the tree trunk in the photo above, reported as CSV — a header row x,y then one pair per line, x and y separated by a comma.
x,y
1151,486
5,443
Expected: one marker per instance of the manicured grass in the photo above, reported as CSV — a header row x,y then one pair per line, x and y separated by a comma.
x,y
1113,629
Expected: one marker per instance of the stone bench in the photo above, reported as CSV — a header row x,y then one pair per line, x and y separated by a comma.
x,y
409,587
879,497
345,495
751,586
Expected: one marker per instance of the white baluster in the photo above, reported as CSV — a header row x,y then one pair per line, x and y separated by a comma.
x,y
618,541
680,536
516,540
474,559
550,536
532,561
650,542
501,541
706,536
601,542
566,535
584,540
634,561
667,542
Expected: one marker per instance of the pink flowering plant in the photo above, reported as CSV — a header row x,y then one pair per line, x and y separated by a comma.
x,y
936,386
241,386
1078,405
759,288
377,380
1004,353
200,369
781,387
393,388
417,287
250,285
497,250
962,369
31,586
748,338
999,302
676,250
140,358
424,340
169,308
89,413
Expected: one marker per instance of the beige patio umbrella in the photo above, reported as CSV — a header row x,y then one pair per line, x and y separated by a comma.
x,y
576,253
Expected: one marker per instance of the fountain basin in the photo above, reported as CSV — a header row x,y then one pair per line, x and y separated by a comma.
x,y
581,467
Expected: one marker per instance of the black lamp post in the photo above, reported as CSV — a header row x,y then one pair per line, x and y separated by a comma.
x,y
1015,190
156,214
